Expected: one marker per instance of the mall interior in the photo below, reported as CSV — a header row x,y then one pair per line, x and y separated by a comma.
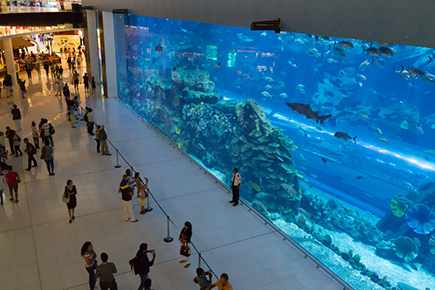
x,y
250,145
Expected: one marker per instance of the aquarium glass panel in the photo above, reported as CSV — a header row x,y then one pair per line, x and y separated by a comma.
x,y
334,138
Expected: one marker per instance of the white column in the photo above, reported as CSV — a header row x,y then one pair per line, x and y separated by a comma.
x,y
110,54
92,47
9,56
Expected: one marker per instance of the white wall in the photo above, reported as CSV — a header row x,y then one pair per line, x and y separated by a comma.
x,y
110,53
396,21
92,46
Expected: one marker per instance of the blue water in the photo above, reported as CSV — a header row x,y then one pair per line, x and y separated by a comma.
x,y
199,85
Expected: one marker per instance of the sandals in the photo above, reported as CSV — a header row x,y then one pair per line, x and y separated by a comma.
x,y
187,265
183,261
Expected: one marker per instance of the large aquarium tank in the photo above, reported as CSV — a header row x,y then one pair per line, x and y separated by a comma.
x,y
334,138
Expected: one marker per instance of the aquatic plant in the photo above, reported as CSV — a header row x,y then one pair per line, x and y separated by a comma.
x,y
405,248
421,219
432,244
399,206
301,220
357,258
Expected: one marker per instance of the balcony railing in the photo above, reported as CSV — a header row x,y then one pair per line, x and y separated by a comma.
x,y
38,6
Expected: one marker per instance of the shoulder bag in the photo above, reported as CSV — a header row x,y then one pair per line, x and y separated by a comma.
x,y
65,196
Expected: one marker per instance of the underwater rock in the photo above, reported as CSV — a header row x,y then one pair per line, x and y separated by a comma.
x,y
421,219
301,220
399,204
332,204
404,286
405,248
357,258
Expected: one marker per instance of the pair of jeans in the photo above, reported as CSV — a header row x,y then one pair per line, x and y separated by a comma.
x,y
109,285
30,159
92,278
90,127
17,149
143,277
50,165
50,140
36,141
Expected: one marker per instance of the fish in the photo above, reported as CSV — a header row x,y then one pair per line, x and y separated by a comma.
x,y
307,112
266,94
324,159
313,175
371,51
404,125
361,78
217,65
313,52
377,130
365,64
344,136
263,34
269,79
383,50
292,64
339,50
380,63
283,95
383,140
430,151
359,177
268,87
408,186
159,48
300,88
345,44
363,117
414,71
239,72
244,37
430,119
331,60
428,77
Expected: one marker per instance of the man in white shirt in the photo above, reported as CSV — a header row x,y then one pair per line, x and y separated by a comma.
x,y
236,181
46,127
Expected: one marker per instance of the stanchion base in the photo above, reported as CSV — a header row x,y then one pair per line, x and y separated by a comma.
x,y
168,239
149,209
117,166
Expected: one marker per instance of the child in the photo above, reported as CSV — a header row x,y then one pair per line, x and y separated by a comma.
x,y
35,135
141,189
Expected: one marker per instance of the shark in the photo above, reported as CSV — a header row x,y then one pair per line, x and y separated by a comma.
x,y
307,112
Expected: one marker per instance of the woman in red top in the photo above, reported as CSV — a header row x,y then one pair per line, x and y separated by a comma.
x,y
184,238
90,262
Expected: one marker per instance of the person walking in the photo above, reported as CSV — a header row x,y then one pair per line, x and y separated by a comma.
x,y
66,92
41,132
60,72
71,109
90,257
46,68
16,117
93,84
143,264
17,141
105,272
77,107
89,121
47,156
141,191
184,238
147,284
76,80
86,82
7,84
97,137
59,88
48,131
222,283
236,181
10,135
35,135
12,179
31,151
22,87
127,194
71,191
103,140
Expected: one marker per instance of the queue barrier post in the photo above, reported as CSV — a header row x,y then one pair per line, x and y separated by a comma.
x,y
117,159
148,208
168,238
199,260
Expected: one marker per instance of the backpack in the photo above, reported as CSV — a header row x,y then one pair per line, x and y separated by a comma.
x,y
33,149
133,265
51,130
85,118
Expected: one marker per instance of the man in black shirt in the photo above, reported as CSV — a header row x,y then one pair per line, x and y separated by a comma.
x,y
127,194
30,150
10,135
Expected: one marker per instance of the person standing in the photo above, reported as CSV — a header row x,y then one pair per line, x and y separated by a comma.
x,y
222,283
93,84
35,135
143,264
105,272
76,80
46,68
60,72
184,238
86,82
71,191
16,116
236,181
59,88
31,151
90,257
7,84
201,278
141,191
22,87
12,179
47,156
17,141
48,131
66,92
10,135
97,137
127,194
103,140
89,121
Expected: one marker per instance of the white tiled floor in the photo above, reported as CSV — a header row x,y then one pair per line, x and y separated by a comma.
x,y
39,249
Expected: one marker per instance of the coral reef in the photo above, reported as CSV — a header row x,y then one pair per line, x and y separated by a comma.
x,y
421,219
405,248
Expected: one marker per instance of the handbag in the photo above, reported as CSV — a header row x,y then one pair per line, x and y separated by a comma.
x,y
42,156
185,250
65,197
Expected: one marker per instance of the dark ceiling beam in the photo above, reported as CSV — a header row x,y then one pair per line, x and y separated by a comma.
x,y
42,19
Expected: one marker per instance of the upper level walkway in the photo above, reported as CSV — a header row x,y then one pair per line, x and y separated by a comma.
x,y
37,6
40,249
